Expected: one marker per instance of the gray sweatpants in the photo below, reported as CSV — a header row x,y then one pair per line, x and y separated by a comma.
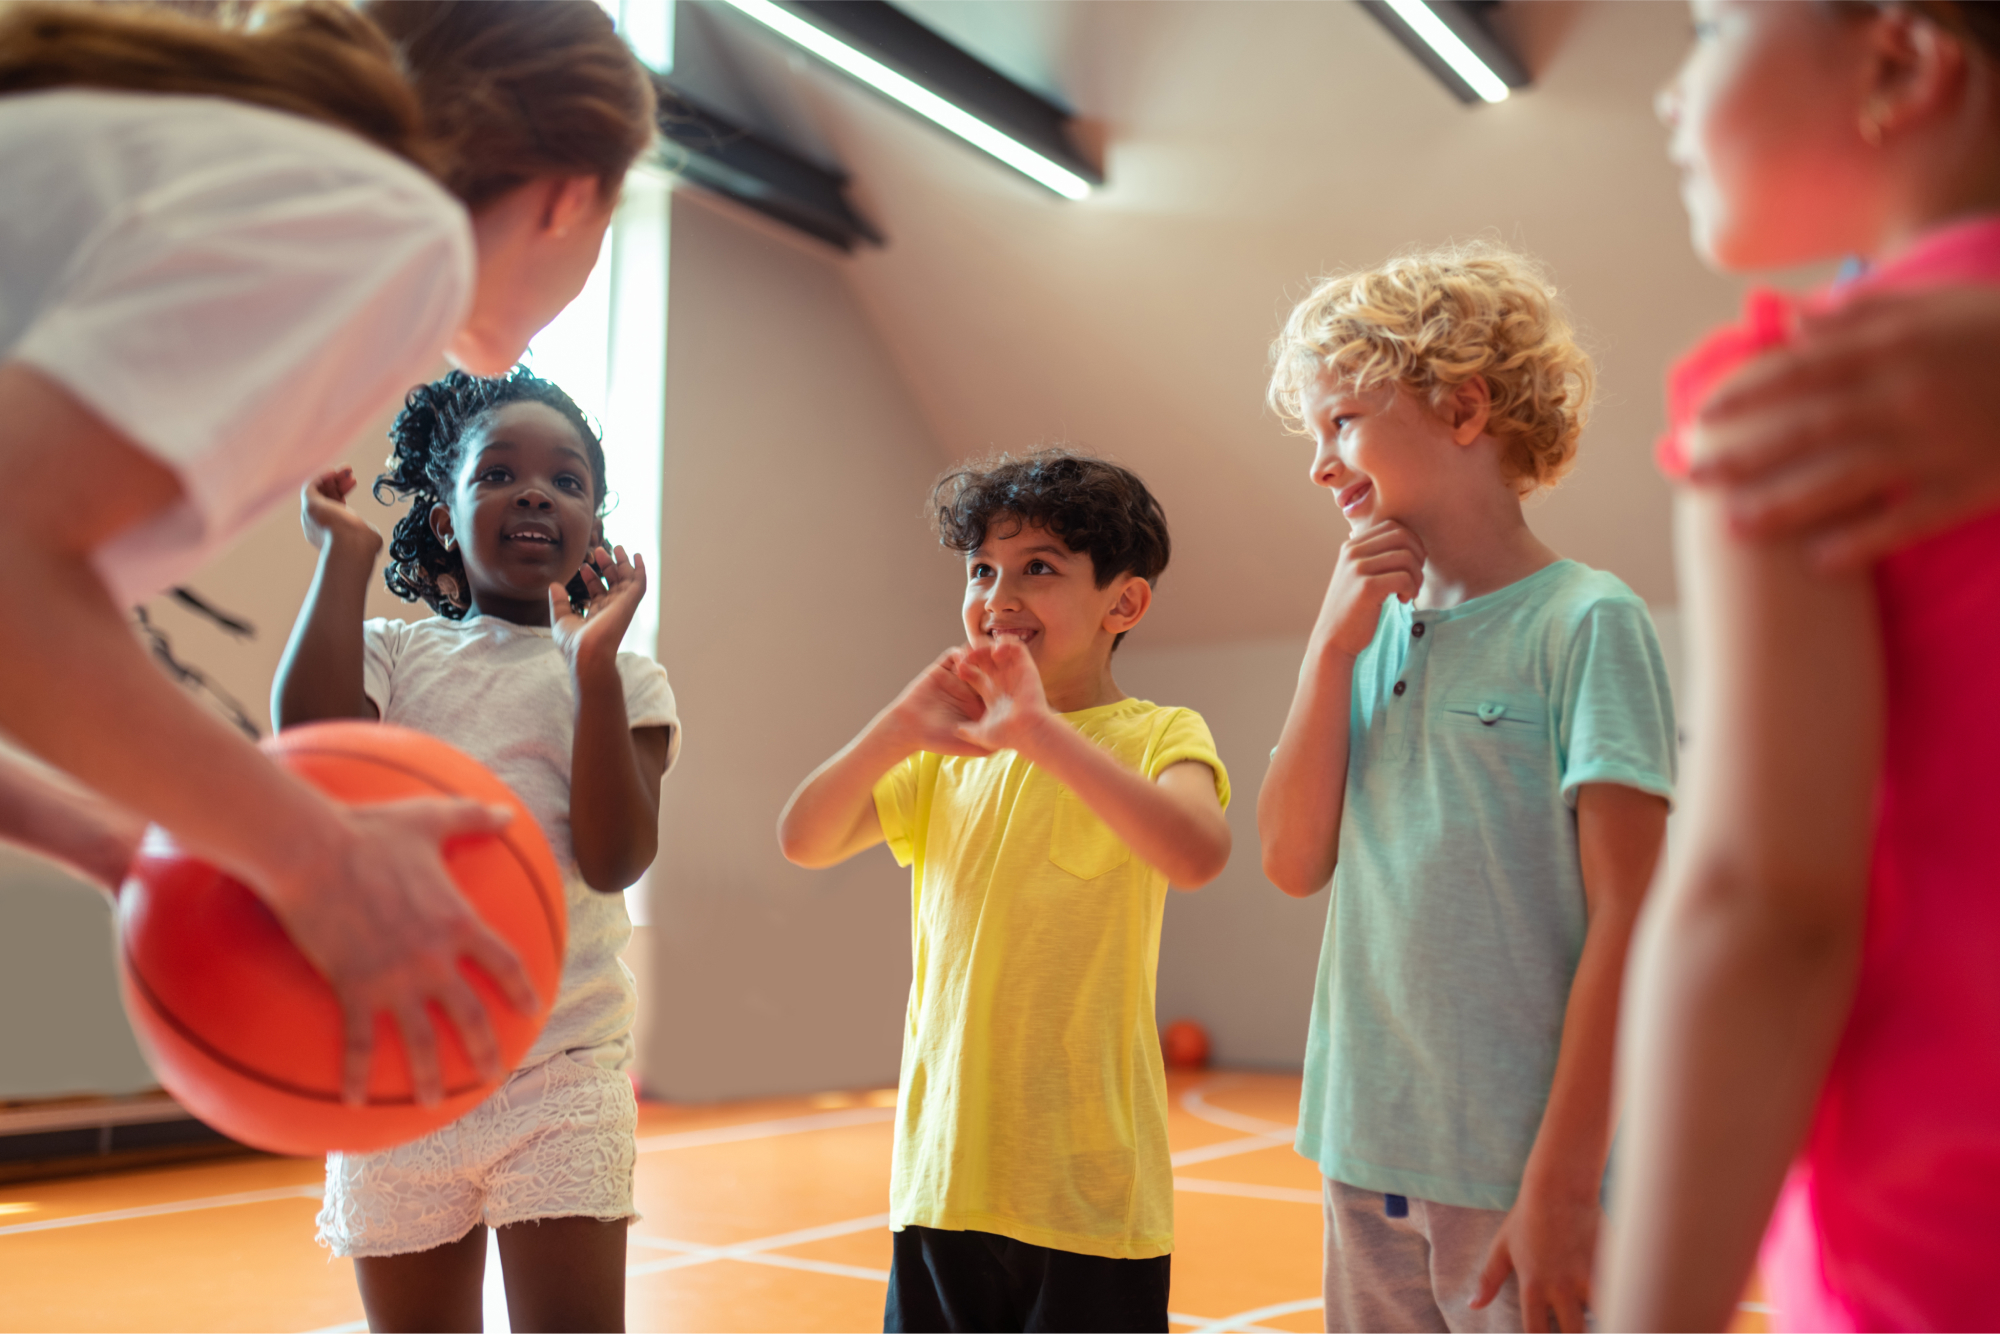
x,y
1416,1272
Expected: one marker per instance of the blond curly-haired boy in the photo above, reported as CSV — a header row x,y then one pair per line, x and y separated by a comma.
x,y
1479,758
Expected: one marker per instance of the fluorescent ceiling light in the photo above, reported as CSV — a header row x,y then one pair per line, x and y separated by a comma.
x,y
922,100
1449,48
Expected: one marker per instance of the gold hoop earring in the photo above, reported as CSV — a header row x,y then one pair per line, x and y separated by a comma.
x,y
1871,122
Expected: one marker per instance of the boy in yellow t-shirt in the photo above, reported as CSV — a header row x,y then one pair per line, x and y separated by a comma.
x,y
1045,813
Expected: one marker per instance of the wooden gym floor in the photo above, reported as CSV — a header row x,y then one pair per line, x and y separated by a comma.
x,y
764,1215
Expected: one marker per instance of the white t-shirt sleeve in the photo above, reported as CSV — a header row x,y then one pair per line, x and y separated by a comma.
x,y
242,319
649,700
382,642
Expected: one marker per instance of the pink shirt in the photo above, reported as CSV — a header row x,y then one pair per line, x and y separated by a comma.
x,y
1891,1216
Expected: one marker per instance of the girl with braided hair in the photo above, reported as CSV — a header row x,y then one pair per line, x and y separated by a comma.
x,y
520,668
223,251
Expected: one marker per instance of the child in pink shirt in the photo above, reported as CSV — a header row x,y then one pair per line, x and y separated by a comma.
x,y
1814,1036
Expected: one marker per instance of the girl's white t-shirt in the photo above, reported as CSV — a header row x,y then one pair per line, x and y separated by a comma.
x,y
501,693
238,291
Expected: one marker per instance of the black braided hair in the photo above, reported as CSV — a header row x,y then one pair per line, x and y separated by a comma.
x,y
429,436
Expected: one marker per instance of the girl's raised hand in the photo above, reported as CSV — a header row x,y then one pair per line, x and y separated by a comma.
x,y
1010,686
613,585
323,512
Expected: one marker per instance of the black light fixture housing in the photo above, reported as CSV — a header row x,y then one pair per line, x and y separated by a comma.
x,y
882,48
1471,23
919,53
746,167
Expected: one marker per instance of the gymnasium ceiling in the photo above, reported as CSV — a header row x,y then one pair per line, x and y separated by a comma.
x,y
1248,147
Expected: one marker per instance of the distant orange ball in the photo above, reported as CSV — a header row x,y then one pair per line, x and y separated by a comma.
x,y
245,1032
1184,1043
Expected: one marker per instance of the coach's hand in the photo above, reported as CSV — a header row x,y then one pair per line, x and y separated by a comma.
x,y
1874,430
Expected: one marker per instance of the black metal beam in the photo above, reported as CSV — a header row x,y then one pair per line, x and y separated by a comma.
x,y
1472,21
879,29
744,166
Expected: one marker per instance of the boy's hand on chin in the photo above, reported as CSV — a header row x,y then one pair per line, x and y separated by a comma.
x,y
934,709
1379,560
1010,687
1549,1243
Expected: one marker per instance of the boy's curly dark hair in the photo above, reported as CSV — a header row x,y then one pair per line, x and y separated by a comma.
x,y
429,435
1090,504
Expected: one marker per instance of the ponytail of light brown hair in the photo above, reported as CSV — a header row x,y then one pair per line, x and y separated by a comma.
x,y
516,90
316,59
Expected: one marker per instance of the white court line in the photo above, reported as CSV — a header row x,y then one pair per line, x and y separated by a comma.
x,y
707,1255
791,1125
1757,1308
1262,1134
1247,1320
1287,1193
1180,1318
1230,1148
172,1207
695,1253
1196,1105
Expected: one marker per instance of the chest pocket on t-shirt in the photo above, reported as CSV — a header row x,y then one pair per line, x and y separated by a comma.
x,y
1505,719
1082,844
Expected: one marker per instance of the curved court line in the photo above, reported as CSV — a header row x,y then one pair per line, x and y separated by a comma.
x,y
1195,1104
1230,1148
171,1207
1289,1194
790,1125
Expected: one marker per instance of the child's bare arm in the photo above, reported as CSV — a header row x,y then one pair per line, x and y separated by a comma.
x,y
832,814
83,832
1550,1236
615,772
1745,965
320,676
1305,789
615,769
1174,824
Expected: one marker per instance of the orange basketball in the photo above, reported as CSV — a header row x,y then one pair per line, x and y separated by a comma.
x,y
246,1033
1184,1044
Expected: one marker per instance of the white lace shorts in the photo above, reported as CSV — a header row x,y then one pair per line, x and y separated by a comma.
x,y
556,1141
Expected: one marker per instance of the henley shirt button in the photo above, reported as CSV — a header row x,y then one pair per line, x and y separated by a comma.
x,y
1417,630
1401,686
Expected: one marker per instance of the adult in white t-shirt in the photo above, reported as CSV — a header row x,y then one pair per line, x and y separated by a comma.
x,y
201,301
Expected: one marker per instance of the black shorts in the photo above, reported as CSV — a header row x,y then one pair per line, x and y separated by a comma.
x,y
952,1281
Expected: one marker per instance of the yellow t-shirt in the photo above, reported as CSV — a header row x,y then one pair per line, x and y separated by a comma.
x,y
1033,1101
